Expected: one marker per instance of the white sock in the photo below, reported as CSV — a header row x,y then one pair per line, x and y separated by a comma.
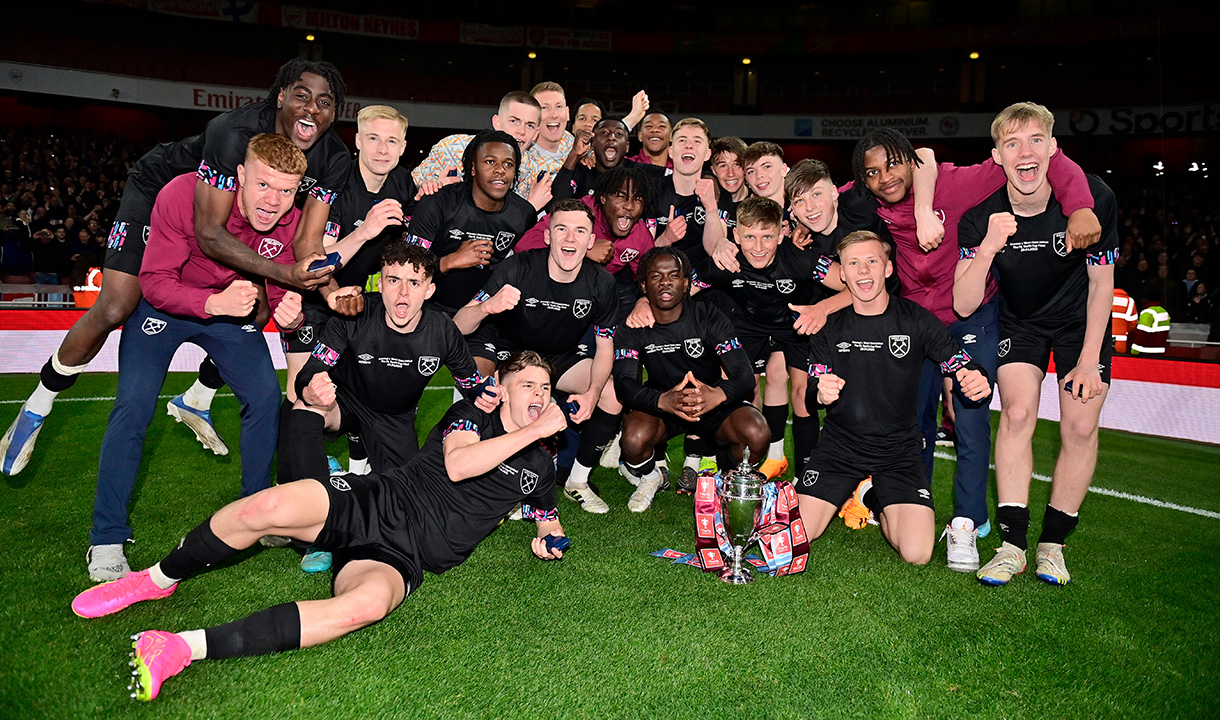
x,y
579,476
199,396
776,450
198,640
40,400
358,467
159,578
691,461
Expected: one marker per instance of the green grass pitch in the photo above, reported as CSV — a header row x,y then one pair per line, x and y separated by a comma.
x,y
611,632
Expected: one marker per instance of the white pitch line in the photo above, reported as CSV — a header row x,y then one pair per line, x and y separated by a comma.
x,y
109,398
1116,493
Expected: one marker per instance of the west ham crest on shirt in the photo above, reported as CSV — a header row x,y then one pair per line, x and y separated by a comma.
x,y
147,229
809,478
270,247
1004,347
700,215
306,183
339,483
428,364
1059,243
529,481
504,240
900,345
628,255
694,347
305,334
580,308
785,286
152,326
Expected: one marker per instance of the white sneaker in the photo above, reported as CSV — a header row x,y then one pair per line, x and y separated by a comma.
x,y
200,422
107,562
610,456
628,475
962,552
588,500
641,499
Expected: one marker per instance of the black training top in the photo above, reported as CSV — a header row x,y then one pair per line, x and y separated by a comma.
x,y
689,206
1039,277
701,341
551,316
349,211
762,295
384,370
449,217
881,359
451,518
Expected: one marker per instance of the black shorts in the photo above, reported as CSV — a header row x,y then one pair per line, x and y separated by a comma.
x,y
125,247
707,425
1023,341
390,440
836,467
367,521
305,338
759,344
487,343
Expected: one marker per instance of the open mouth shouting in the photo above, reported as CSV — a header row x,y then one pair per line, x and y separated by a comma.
x,y
534,410
306,130
611,154
1027,172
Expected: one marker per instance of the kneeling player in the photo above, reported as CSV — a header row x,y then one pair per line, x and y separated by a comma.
x,y
867,361
685,393
1052,298
385,530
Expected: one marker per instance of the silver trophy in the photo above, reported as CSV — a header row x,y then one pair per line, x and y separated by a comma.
x,y
741,499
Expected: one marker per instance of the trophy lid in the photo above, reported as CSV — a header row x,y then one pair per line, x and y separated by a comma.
x,y
745,472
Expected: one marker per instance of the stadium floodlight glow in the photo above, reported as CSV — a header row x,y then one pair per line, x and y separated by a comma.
x,y
1194,167
532,56
974,56
309,38
745,61
1158,166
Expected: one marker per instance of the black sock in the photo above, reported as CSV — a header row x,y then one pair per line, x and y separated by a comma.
x,y
53,380
198,551
355,448
1056,525
870,501
696,446
285,471
643,468
303,445
595,434
1014,524
805,433
777,420
276,629
209,374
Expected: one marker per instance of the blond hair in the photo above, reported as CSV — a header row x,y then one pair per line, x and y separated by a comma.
x,y
370,113
1018,114
690,122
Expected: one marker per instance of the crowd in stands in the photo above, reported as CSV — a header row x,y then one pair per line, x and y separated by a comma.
x,y
1169,247
59,193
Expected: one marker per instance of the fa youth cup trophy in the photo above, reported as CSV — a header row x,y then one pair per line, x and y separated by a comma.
x,y
741,499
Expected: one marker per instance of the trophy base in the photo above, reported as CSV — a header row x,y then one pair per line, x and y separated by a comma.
x,y
737,576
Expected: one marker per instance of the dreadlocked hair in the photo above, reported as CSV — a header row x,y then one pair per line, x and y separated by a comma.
x,y
897,149
620,177
292,70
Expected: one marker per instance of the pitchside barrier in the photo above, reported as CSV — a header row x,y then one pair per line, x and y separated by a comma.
x,y
1151,396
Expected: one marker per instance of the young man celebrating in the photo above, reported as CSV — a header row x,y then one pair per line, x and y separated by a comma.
x,y
301,106
474,224
519,115
1052,299
191,298
699,379
608,141
921,203
688,197
654,138
726,154
547,300
385,530
765,170
866,363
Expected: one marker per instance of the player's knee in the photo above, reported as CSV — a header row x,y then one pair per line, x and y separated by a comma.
x,y
920,554
110,312
363,608
1078,432
636,443
264,510
1019,418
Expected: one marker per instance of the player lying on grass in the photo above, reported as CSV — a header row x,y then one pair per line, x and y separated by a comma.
x,y
1052,298
384,528
867,362
367,374
686,393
